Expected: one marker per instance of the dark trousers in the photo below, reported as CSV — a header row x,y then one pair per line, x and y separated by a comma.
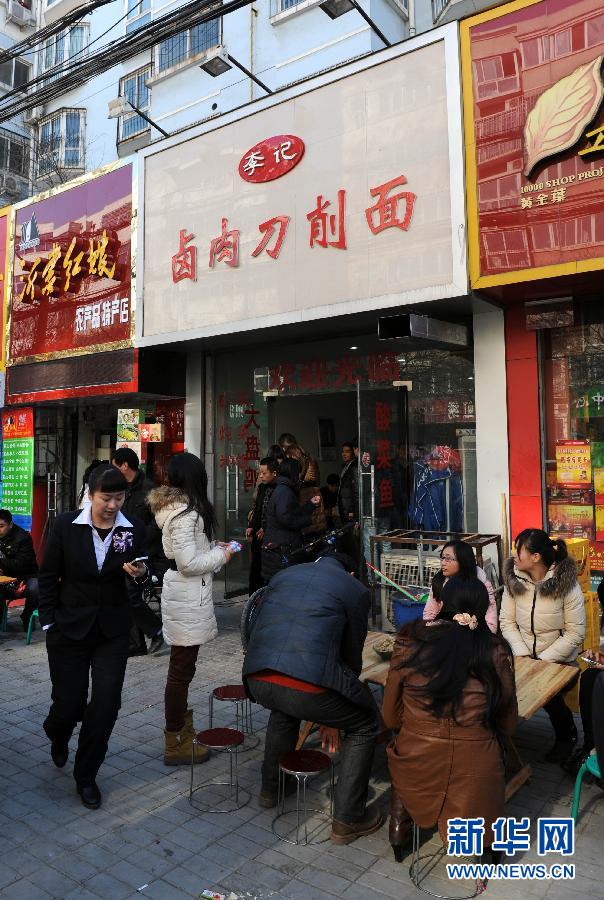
x,y
359,724
181,670
586,705
598,718
560,715
72,664
256,580
31,598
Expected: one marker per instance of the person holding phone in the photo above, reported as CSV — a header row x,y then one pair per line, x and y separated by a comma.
x,y
591,687
88,579
187,521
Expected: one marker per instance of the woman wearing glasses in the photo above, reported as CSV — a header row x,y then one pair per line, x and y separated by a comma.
x,y
458,558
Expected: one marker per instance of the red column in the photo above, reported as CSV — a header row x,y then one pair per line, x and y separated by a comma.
x,y
523,422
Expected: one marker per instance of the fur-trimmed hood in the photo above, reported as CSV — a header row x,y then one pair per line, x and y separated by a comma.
x,y
559,580
165,500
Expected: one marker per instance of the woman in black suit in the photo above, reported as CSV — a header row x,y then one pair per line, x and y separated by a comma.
x,y
84,608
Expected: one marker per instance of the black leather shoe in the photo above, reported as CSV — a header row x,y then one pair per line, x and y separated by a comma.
x,y
157,643
90,795
562,748
59,753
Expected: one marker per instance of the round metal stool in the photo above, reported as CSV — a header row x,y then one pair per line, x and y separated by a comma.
x,y
302,765
225,740
235,693
422,866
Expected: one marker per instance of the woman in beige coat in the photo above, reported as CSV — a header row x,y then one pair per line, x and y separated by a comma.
x,y
451,696
187,521
543,616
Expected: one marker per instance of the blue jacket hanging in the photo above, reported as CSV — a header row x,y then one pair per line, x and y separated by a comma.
x,y
429,502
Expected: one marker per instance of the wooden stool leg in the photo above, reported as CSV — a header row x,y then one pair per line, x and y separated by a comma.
x,y
304,733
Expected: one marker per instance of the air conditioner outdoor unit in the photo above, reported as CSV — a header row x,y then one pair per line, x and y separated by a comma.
x,y
20,12
30,116
10,186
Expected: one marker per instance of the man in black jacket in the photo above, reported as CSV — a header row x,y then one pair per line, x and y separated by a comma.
x,y
303,661
135,507
18,560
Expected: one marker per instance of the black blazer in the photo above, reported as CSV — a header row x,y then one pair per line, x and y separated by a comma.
x,y
73,593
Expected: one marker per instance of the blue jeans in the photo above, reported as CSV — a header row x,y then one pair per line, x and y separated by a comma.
x,y
358,723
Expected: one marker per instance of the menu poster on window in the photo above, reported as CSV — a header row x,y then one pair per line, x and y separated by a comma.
x,y
573,462
18,464
568,520
596,562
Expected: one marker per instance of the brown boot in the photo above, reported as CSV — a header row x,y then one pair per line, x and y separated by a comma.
x,y
399,829
347,832
179,747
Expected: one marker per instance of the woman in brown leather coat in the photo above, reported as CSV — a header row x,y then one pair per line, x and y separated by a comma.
x,y
451,696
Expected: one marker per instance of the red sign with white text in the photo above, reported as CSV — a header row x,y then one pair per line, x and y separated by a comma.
x,y
271,158
17,423
72,268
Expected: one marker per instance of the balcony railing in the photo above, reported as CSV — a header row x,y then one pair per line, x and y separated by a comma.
x,y
438,7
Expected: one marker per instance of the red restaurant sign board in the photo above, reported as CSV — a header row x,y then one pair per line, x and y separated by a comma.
x,y
534,121
72,270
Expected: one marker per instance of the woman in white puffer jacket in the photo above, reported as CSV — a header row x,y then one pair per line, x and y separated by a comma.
x,y
187,521
543,616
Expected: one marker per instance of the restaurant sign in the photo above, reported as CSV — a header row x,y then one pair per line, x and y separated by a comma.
x,y
534,121
321,202
71,270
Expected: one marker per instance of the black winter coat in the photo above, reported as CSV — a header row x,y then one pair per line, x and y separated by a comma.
x,y
17,554
136,507
74,594
312,625
285,518
348,494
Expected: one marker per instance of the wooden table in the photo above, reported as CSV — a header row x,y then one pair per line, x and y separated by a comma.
x,y
7,579
537,681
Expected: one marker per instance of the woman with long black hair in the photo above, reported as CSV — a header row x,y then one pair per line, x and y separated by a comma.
x,y
188,524
451,696
87,581
543,616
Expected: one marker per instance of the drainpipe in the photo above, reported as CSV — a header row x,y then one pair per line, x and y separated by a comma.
x,y
411,7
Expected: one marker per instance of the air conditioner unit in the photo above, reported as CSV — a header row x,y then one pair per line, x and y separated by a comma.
x,y
20,12
33,115
10,186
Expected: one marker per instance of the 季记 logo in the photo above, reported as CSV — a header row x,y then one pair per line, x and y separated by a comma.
x,y
271,158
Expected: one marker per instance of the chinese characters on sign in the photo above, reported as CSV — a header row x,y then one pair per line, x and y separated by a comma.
x,y
18,464
102,315
326,228
573,462
42,278
272,158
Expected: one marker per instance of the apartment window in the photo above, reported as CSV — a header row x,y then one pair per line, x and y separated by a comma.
x,y
499,192
61,141
535,52
14,154
188,44
62,47
138,14
546,236
506,249
134,88
594,31
14,73
496,75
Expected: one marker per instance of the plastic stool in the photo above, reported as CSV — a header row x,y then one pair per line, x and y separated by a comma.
x,y
302,764
590,765
226,740
235,693
418,873
30,626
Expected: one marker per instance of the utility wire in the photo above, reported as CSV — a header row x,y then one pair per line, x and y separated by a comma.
x,y
49,30
77,73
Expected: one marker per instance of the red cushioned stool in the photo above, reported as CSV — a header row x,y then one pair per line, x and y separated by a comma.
x,y
302,765
223,740
235,693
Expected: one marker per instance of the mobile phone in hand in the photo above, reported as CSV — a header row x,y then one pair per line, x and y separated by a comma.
x,y
590,662
140,559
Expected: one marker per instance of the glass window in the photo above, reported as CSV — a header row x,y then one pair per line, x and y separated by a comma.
x,y
594,30
188,44
562,42
134,89
14,73
64,46
61,142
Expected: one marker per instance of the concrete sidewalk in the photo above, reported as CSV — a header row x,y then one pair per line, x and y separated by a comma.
x,y
147,841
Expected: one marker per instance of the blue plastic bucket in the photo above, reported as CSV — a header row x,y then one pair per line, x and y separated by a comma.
x,y
405,611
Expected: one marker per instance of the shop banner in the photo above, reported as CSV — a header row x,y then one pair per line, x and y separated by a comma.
x,y
4,227
341,196
534,123
18,464
71,270
567,520
573,462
